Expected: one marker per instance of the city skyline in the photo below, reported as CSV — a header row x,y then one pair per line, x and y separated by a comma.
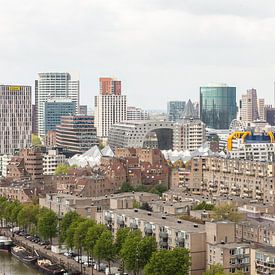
x,y
170,48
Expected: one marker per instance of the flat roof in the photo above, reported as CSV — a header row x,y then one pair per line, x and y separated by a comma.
x,y
156,218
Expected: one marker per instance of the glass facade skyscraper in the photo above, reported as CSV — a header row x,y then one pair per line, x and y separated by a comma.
x,y
218,106
175,110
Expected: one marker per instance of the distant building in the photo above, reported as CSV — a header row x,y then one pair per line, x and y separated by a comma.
x,y
76,133
83,110
15,118
54,85
189,134
51,160
249,106
175,110
269,115
218,105
261,108
54,109
34,119
110,106
27,165
134,113
50,139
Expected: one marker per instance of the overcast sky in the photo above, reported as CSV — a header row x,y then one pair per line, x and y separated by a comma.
x,y
161,49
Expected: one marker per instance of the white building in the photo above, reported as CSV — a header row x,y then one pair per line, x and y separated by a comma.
x,y
15,118
249,106
4,161
134,113
51,160
110,108
54,85
190,133
254,151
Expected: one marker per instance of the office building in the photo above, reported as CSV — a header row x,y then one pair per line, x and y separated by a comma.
x,y
218,105
34,119
269,115
54,109
249,106
189,134
15,118
76,133
261,108
175,110
110,106
54,86
83,110
134,113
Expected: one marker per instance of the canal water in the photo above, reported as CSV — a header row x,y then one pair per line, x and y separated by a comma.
x,y
11,266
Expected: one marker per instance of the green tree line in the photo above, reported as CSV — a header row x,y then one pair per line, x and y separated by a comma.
x,y
128,247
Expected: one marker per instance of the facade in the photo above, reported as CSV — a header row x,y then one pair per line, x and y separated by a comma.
x,y
175,110
83,110
34,119
110,106
249,106
218,105
27,165
54,109
261,108
134,134
242,178
168,231
269,115
15,118
262,260
54,85
51,160
223,249
50,139
134,113
109,86
254,152
76,133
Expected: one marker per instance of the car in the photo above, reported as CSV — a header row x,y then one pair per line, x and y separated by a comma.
x,y
101,267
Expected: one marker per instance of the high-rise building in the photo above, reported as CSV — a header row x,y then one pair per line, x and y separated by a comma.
x,y
261,106
15,118
34,113
76,133
269,116
218,105
109,86
175,110
249,106
189,134
54,109
54,85
134,113
83,110
110,106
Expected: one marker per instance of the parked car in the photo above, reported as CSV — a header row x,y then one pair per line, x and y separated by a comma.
x,y
101,267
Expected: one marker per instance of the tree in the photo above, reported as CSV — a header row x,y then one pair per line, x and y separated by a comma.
x,y
162,262
92,236
158,189
104,248
47,224
36,140
62,169
204,206
27,216
65,223
121,235
136,251
126,187
227,212
69,241
216,269
81,232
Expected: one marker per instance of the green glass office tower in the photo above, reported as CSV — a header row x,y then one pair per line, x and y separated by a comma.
x,y
218,106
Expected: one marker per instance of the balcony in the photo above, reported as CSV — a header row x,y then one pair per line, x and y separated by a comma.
x,y
148,231
120,222
133,225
